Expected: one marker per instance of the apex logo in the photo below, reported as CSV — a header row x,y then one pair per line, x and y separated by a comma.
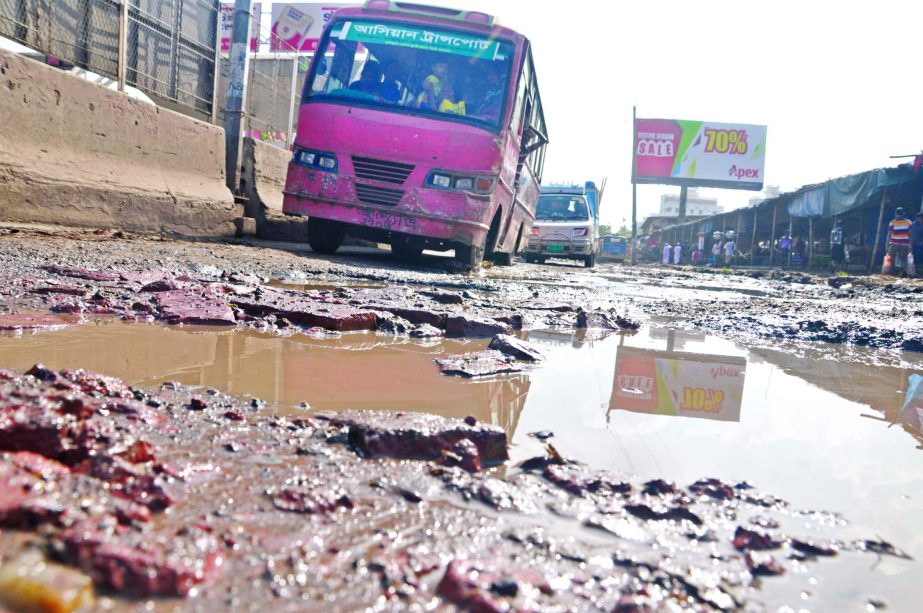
x,y
744,173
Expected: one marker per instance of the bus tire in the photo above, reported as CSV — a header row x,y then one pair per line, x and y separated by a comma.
x,y
503,259
325,236
469,256
589,261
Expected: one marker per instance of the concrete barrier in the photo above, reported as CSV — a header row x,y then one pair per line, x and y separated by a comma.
x,y
75,153
262,181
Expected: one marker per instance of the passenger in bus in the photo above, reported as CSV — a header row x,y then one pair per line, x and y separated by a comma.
x,y
369,82
438,94
493,95
391,85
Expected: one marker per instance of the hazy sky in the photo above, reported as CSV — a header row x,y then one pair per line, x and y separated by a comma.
x,y
839,84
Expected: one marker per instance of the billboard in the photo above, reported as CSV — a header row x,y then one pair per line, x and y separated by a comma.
x,y
227,26
699,153
297,26
678,384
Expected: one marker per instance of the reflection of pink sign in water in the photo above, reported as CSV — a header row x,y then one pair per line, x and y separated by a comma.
x,y
227,26
681,384
298,26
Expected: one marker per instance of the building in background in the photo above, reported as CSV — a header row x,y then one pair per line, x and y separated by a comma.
x,y
696,205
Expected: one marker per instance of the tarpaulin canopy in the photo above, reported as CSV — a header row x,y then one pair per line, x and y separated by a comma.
x,y
839,196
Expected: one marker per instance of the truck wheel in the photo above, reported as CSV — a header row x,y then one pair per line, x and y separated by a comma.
x,y
469,256
589,261
325,236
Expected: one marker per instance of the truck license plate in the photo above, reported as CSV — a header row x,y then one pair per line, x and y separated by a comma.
x,y
555,248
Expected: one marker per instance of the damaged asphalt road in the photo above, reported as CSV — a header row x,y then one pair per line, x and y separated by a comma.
x,y
211,500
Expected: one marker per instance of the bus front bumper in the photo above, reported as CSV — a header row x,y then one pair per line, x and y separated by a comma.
x,y
455,217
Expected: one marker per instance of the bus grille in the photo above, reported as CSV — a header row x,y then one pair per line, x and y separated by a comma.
x,y
381,196
380,170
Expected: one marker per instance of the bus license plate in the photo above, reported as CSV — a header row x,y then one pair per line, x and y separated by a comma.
x,y
555,248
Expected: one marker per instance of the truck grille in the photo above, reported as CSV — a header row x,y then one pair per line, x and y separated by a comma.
x,y
380,170
381,196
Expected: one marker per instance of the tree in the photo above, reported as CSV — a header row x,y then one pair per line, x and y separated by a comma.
x,y
624,231
604,230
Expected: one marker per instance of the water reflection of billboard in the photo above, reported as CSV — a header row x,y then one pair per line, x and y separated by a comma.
x,y
679,384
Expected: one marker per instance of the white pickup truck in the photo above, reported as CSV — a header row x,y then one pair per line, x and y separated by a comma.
x,y
566,225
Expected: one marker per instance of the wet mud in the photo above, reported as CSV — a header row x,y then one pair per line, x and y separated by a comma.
x,y
194,495
231,469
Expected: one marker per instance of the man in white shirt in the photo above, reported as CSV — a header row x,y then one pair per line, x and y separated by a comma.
x,y
677,254
728,252
666,253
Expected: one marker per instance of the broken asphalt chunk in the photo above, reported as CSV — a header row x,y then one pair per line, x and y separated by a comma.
x,y
420,436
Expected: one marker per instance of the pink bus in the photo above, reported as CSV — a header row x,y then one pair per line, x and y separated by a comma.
x,y
420,127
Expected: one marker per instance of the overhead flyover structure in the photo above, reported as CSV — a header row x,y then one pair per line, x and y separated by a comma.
x,y
865,202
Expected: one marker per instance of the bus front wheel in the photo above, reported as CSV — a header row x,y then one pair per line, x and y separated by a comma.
x,y
469,256
325,236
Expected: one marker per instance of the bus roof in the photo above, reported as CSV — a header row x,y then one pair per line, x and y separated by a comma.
x,y
468,20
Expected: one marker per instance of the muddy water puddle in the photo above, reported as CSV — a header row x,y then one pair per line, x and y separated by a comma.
x,y
666,404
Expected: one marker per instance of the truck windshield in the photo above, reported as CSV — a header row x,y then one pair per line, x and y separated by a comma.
x,y
414,69
562,208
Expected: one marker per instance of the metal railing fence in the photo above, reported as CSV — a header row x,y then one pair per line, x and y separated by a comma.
x,y
165,48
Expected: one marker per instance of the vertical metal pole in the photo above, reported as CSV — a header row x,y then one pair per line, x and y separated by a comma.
x,y
881,219
292,104
123,44
216,71
772,233
683,195
737,229
238,66
791,240
810,243
753,239
634,187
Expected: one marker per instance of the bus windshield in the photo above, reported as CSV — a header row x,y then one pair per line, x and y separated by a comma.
x,y
562,208
414,69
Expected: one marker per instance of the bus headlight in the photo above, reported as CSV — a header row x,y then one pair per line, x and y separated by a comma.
x,y
478,184
320,160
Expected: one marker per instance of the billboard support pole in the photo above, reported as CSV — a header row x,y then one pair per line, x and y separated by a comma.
x,y
238,66
753,238
683,196
634,188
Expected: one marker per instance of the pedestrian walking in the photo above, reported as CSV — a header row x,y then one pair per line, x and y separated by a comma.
x,y
916,243
667,250
729,252
677,254
899,240
715,253
837,248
